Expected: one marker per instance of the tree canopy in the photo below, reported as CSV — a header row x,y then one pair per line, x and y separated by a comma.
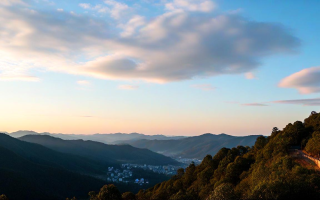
x,y
264,171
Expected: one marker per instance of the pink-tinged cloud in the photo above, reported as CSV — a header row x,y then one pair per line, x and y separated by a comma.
x,y
250,75
11,2
128,87
254,104
305,81
207,87
304,102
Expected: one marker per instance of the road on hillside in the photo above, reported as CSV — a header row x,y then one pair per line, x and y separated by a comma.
x,y
303,159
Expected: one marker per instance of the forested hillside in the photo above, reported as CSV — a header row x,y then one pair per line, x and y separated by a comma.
x,y
264,171
44,156
30,171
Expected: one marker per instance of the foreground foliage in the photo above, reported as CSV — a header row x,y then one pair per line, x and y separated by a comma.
x,y
264,171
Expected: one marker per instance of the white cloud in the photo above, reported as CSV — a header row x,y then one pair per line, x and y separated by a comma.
x,y
60,10
114,8
305,81
132,25
128,87
191,5
85,5
207,87
171,47
117,8
177,46
101,9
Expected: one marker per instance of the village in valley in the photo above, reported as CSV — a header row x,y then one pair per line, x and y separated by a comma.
x,y
126,173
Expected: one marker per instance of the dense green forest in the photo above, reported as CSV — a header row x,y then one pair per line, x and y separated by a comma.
x,y
264,171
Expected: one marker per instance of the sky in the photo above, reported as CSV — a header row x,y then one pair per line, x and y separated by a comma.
x,y
172,67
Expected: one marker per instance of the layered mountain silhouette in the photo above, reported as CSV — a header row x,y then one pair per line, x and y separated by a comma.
x,y
113,138
44,156
33,171
100,151
194,147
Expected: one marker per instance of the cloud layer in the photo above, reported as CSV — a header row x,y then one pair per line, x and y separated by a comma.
x,y
179,44
191,5
305,81
304,102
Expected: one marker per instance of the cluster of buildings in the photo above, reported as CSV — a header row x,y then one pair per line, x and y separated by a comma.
x,y
125,173
168,170
187,161
141,181
118,175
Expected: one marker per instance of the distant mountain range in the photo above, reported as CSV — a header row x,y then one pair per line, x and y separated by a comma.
x,y
113,138
40,166
100,151
194,147
175,146
55,168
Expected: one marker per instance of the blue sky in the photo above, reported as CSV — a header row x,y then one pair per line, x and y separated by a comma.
x,y
174,67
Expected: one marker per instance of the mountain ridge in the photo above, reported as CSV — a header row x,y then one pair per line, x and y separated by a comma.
x,y
44,156
111,138
196,146
100,151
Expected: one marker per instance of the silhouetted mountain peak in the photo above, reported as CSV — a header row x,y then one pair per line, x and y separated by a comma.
x,y
22,133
